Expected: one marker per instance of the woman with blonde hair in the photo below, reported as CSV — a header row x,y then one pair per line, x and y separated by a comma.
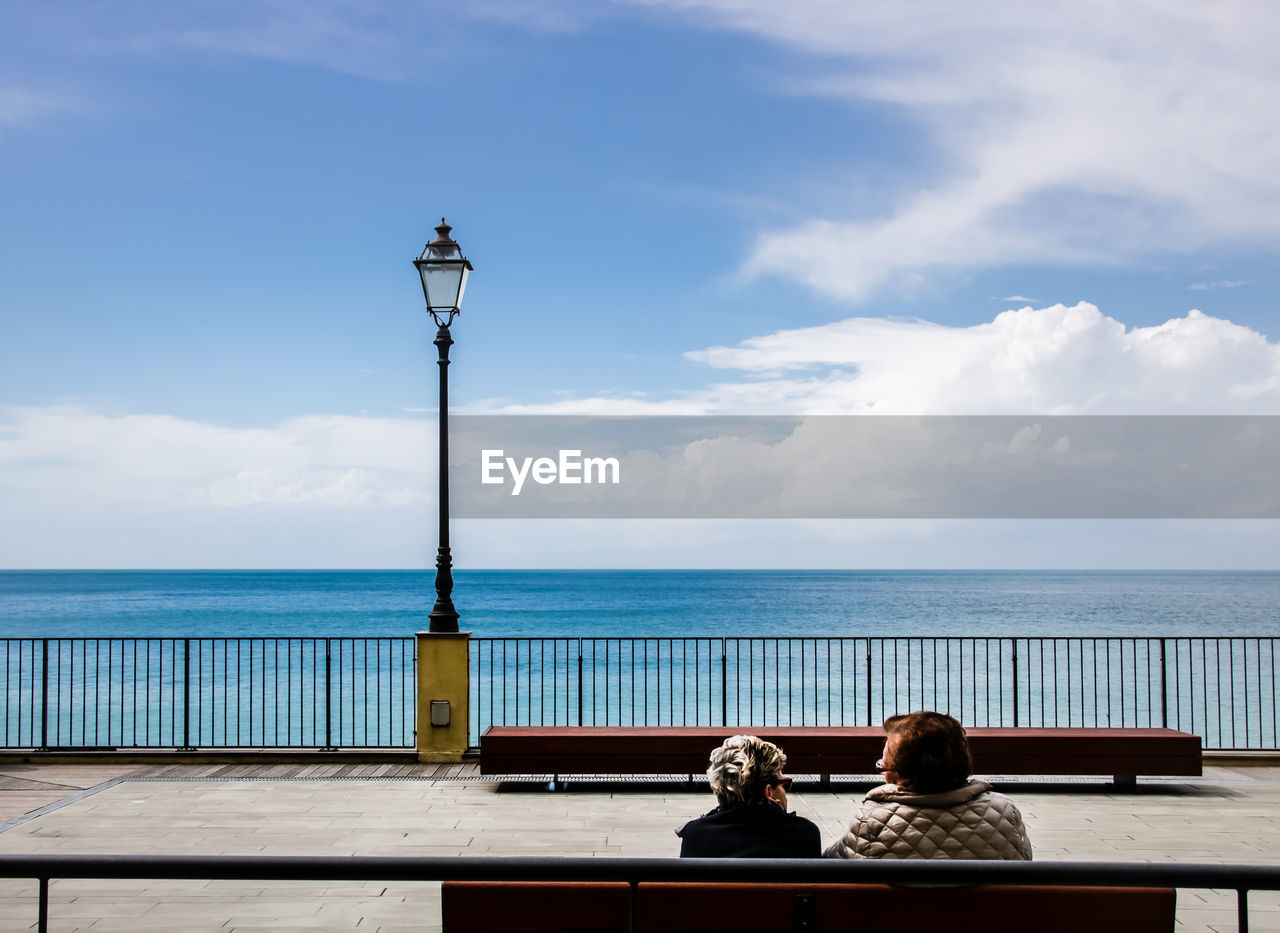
x,y
751,818
929,806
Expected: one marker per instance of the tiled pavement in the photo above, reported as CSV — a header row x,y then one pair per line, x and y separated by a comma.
x,y
1231,815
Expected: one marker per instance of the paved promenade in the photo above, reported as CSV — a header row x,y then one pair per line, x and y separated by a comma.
x,y
1230,815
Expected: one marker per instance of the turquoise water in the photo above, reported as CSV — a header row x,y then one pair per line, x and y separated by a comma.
x,y
293,658
641,602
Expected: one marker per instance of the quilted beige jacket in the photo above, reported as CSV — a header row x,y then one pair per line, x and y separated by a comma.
x,y
970,822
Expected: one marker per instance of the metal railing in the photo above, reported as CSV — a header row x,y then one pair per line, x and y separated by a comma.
x,y
1238,878
361,692
188,693
1222,689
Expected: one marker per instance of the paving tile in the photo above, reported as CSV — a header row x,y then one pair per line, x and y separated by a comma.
x,y
1235,823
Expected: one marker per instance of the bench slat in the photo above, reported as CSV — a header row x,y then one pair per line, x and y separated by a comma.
x,y
711,908
577,907
535,907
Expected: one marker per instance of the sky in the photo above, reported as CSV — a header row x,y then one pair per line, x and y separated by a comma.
x,y
213,348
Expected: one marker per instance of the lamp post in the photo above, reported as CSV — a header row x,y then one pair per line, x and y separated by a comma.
x,y
444,271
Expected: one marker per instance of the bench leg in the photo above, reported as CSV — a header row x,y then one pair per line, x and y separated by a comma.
x,y
1126,782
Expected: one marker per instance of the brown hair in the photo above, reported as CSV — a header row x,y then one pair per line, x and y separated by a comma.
x,y
932,752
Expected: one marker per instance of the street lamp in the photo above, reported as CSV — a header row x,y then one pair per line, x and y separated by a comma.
x,y
444,271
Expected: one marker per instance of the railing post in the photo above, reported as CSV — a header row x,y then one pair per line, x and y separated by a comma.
x,y
186,696
42,916
1015,682
44,701
579,681
328,702
724,684
869,722
1164,688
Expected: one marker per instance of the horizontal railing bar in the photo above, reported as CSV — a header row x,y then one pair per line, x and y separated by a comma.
x,y
257,637
527,868
1129,636
828,637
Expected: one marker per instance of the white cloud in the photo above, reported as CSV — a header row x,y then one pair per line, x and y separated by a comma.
x,y
1063,132
1073,138
72,454
373,39
1209,286
83,488
80,488
1055,360
884,467
347,38
20,105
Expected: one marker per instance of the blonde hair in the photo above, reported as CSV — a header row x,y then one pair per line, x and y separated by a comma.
x,y
743,767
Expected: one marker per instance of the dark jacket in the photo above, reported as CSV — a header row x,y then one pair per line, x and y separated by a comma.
x,y
756,830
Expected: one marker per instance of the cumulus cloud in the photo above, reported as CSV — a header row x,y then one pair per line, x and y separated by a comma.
x,y
86,488
1070,135
70,454
1024,466
1054,360
1057,360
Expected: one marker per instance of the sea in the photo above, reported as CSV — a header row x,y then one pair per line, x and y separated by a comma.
x,y
635,603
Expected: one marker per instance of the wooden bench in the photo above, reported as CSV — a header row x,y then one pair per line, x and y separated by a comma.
x,y
559,750
607,907
535,907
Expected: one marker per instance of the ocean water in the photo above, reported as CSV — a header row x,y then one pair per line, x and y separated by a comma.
x,y
641,603
266,658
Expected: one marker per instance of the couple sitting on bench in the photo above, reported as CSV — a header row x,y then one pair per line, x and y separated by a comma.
x,y
928,807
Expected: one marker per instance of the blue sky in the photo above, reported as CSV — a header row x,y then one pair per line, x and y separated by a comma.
x,y
214,351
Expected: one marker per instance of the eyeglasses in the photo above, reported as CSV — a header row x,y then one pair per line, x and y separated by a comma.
x,y
784,783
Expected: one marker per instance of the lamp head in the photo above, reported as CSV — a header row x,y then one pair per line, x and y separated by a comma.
x,y
444,272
